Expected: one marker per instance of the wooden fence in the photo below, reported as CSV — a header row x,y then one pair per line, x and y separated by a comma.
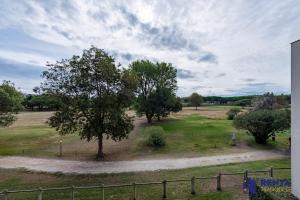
x,y
164,184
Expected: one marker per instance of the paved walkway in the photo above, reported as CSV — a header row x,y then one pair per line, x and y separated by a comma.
x,y
93,167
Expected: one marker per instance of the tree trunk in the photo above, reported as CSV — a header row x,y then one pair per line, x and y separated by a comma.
x,y
100,155
149,118
260,140
273,137
196,108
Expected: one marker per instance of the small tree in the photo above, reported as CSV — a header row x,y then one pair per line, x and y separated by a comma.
x,y
156,87
196,100
94,94
232,113
262,124
10,103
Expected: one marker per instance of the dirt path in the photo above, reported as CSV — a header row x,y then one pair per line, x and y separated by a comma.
x,y
93,167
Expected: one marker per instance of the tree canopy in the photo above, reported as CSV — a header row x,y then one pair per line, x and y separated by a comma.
x,y
269,101
262,124
196,100
156,87
41,102
10,103
94,94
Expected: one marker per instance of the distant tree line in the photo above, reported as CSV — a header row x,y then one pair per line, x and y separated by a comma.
x,y
243,101
41,102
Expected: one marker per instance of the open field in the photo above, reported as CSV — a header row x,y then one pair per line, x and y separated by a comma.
x,y
189,133
231,185
192,134
214,112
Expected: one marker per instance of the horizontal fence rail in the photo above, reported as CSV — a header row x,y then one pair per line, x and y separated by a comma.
x,y
40,191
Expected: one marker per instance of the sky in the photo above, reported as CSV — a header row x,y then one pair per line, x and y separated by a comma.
x,y
227,48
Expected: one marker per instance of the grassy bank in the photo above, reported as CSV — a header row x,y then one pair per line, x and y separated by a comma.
x,y
18,179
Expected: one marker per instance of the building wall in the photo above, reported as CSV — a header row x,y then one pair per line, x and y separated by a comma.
x,y
295,154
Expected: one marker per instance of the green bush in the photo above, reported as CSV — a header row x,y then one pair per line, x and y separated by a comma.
x,y
232,113
262,124
156,136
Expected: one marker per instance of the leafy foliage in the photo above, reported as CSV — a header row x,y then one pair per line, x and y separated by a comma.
x,y
236,100
10,103
243,102
232,113
94,93
269,101
156,88
196,100
156,136
41,102
263,123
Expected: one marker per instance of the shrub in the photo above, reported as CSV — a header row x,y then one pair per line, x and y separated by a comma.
x,y
232,113
262,124
156,136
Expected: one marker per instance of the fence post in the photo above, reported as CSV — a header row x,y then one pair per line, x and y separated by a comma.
x,y
5,195
60,148
193,186
40,197
271,172
219,182
164,189
103,192
246,175
73,193
134,191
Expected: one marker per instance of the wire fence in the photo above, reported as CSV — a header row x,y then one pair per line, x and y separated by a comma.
x,y
165,185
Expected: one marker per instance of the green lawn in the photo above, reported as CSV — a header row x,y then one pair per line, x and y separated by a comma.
x,y
188,135
30,140
18,179
220,107
201,136
281,142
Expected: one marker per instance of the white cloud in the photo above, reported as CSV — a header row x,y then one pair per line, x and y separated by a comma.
x,y
246,39
25,58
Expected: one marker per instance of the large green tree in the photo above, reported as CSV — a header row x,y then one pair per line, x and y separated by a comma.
x,y
262,124
156,89
94,94
10,103
196,100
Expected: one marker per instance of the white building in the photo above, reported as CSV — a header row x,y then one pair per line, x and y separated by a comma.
x,y
295,154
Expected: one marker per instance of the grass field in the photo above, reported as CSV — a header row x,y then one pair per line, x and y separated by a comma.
x,y
188,133
231,185
197,135
192,134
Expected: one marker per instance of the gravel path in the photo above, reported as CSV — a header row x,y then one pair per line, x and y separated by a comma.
x,y
93,167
